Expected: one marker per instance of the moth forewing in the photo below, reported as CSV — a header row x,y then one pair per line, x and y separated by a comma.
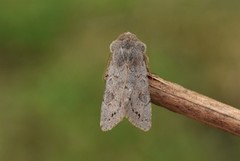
x,y
112,111
139,107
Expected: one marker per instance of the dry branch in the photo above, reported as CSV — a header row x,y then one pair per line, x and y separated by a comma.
x,y
194,105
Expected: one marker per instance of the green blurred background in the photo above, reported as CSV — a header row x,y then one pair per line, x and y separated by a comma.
x,y
53,54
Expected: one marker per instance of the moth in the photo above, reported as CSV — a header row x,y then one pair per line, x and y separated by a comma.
x,y
126,94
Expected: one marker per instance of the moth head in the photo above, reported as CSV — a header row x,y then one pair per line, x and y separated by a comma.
x,y
127,41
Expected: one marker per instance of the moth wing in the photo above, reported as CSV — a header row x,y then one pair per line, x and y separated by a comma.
x,y
112,110
139,108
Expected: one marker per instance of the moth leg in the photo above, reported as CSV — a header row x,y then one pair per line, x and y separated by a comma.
x,y
146,60
105,75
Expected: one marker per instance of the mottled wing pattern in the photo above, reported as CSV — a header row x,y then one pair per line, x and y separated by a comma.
x,y
139,107
112,110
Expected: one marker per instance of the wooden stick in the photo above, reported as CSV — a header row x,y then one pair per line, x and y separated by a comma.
x,y
194,105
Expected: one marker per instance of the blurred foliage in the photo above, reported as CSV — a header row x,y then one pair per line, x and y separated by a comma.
x,y
52,57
